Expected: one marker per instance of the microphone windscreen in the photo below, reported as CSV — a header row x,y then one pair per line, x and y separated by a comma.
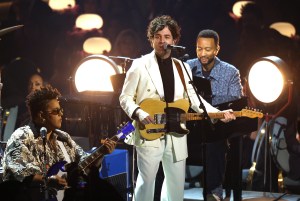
x,y
43,132
165,46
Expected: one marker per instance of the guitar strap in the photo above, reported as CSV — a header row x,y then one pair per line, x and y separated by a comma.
x,y
179,69
63,149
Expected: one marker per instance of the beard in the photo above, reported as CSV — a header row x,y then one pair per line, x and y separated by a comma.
x,y
209,61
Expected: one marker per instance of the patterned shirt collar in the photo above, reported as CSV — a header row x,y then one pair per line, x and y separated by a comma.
x,y
214,71
57,134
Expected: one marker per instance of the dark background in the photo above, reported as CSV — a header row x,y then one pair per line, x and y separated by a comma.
x,y
50,42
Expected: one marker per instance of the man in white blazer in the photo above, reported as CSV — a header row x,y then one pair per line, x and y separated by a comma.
x,y
155,76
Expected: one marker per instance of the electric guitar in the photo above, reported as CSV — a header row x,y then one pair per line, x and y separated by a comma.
x,y
172,118
76,173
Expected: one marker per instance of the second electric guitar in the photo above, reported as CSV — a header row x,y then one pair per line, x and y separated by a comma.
x,y
172,118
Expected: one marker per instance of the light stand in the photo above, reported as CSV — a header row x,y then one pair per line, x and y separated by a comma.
x,y
268,118
205,117
263,69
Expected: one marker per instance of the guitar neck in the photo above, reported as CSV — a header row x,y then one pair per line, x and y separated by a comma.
x,y
213,115
220,115
98,153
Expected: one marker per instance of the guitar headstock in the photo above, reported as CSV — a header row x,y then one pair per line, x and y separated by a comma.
x,y
125,129
251,113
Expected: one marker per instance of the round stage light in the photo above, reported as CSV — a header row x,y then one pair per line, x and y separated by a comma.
x,y
236,8
284,28
96,45
93,74
59,5
266,79
89,21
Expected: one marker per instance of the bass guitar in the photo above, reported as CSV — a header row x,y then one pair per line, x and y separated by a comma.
x,y
171,117
79,175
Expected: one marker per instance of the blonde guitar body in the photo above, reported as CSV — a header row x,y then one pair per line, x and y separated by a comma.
x,y
171,117
156,107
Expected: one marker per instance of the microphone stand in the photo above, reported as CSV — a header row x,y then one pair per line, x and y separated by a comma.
x,y
45,178
124,63
205,117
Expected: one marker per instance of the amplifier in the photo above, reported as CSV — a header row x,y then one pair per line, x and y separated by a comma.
x,y
115,170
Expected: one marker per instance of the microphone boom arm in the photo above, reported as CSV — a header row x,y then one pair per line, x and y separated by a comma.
x,y
207,118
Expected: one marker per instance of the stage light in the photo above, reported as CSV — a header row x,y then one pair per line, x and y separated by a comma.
x,y
93,74
96,45
89,21
236,8
266,79
59,5
284,28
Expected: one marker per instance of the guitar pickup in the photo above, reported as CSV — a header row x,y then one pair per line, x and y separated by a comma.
x,y
160,118
156,130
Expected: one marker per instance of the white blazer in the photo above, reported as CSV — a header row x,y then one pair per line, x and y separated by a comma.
x,y
143,80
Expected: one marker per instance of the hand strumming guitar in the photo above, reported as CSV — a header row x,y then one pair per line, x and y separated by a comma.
x,y
57,182
54,181
143,117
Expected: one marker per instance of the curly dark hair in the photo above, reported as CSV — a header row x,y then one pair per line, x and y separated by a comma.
x,y
37,100
159,23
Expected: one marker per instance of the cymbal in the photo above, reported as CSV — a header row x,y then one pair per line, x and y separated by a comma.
x,y
9,29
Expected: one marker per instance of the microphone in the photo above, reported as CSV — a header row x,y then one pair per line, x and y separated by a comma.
x,y
43,132
173,47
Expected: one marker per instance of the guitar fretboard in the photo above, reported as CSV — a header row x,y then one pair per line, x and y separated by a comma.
x,y
99,152
215,115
